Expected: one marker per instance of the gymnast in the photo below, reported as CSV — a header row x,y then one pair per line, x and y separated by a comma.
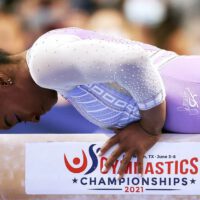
x,y
132,88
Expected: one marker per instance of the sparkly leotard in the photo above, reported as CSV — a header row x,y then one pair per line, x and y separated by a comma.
x,y
107,79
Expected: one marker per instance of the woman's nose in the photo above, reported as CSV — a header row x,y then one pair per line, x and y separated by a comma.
x,y
35,118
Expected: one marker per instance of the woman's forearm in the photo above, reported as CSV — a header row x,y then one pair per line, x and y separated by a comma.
x,y
152,120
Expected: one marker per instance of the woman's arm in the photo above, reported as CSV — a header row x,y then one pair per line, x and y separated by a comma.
x,y
152,120
136,139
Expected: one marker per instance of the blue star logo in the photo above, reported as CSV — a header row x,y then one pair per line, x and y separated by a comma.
x,y
74,180
192,181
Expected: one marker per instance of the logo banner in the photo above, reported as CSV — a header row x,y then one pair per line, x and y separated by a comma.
x,y
75,168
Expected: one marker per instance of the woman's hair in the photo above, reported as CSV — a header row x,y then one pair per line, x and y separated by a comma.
x,y
5,57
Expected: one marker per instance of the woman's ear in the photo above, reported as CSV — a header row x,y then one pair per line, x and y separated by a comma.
x,y
5,80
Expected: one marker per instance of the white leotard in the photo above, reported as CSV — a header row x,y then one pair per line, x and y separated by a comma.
x,y
107,79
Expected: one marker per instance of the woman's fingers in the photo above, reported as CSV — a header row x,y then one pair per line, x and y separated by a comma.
x,y
124,164
109,143
126,160
140,157
112,158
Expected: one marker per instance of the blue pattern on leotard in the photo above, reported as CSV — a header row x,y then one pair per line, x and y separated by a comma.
x,y
103,105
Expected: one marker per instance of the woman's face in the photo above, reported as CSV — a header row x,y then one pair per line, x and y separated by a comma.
x,y
23,100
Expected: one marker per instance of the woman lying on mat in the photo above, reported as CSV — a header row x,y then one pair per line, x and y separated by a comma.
x,y
113,82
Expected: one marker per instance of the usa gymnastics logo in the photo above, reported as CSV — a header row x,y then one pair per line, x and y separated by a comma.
x,y
75,168
76,161
170,172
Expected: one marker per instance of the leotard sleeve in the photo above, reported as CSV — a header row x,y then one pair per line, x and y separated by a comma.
x,y
58,61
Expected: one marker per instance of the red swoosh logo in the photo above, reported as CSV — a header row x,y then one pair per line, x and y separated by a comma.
x,y
74,169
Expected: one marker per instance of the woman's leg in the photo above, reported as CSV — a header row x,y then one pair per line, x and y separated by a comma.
x,y
181,77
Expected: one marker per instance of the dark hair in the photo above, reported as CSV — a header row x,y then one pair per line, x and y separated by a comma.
x,y
5,57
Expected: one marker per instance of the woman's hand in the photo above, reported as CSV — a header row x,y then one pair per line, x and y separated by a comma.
x,y
131,140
